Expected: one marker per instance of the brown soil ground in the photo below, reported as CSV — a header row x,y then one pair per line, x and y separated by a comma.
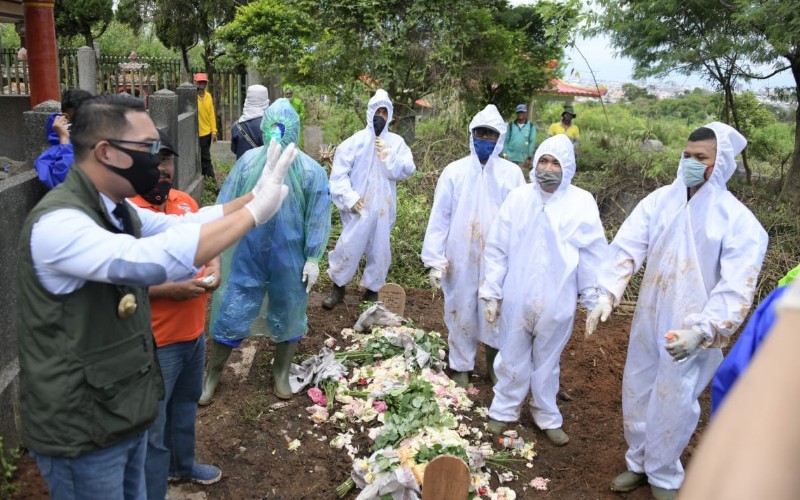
x,y
245,437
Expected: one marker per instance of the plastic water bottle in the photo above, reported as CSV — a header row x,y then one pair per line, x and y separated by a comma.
x,y
509,442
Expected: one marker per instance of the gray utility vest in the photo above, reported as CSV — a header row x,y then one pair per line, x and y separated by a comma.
x,y
88,379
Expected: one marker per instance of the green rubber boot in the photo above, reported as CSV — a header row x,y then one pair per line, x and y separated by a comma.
x,y
497,427
284,351
461,379
219,356
491,353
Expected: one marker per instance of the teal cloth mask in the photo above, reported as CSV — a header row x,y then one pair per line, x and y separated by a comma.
x,y
693,172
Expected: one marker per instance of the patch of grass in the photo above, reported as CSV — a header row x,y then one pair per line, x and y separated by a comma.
x,y
255,407
8,466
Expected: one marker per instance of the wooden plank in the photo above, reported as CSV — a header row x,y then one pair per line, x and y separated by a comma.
x,y
446,478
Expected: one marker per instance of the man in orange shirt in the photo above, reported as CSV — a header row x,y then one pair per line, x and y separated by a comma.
x,y
179,316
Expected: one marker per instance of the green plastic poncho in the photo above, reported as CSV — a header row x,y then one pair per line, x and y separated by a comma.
x,y
263,272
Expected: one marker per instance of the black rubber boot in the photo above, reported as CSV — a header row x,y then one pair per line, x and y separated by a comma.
x,y
284,351
219,356
335,297
369,296
491,353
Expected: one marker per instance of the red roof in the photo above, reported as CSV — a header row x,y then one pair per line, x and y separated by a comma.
x,y
557,87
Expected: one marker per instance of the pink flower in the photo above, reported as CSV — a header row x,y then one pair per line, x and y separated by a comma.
x,y
22,54
380,406
539,483
473,391
317,396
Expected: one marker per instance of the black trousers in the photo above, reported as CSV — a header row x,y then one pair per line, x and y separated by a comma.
x,y
205,156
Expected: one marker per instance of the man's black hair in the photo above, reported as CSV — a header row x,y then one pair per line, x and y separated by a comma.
x,y
72,99
702,134
98,116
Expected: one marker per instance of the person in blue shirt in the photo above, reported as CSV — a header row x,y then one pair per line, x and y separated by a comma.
x,y
53,165
246,132
520,140
748,343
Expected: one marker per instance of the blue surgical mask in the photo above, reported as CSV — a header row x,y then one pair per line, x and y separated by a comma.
x,y
483,148
693,172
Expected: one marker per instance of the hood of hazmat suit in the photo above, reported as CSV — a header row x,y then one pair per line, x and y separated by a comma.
x,y
263,272
703,256
359,173
467,198
543,252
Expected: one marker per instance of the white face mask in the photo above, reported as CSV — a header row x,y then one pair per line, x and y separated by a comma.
x,y
693,172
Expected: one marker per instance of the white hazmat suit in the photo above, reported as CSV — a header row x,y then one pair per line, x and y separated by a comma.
x,y
703,258
543,251
467,198
359,173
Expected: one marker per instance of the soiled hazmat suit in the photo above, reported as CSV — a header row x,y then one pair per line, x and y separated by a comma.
x,y
270,269
467,198
544,250
703,258
358,173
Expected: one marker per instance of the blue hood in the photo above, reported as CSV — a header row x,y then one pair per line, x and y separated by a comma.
x,y
52,135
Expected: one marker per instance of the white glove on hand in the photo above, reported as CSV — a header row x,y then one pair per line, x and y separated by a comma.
x,y
273,153
384,154
435,277
310,274
682,343
270,191
490,310
601,312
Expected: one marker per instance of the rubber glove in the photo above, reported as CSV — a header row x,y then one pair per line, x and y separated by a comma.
x,y
310,274
273,154
490,310
682,343
270,191
435,277
601,312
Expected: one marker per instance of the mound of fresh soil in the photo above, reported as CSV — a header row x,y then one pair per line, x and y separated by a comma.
x,y
247,437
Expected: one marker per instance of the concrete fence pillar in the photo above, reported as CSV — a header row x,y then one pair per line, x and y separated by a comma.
x,y
36,136
87,70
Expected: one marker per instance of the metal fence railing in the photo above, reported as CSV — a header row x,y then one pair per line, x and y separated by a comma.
x,y
140,77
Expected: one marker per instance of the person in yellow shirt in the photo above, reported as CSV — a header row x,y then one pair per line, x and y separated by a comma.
x,y
565,126
206,125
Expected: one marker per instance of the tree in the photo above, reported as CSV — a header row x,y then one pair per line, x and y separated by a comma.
x,y
633,93
663,36
411,49
85,18
776,23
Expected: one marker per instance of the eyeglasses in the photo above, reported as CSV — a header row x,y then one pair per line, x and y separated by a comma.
x,y
487,134
155,146
166,157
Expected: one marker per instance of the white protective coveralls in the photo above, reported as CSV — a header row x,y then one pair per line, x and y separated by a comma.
x,y
543,251
703,258
467,198
358,173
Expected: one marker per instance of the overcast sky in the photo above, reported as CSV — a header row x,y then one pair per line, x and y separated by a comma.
x,y
610,67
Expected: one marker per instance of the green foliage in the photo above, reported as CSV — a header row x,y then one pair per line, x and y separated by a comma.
x,y
633,93
84,18
120,40
8,459
411,408
411,49
8,36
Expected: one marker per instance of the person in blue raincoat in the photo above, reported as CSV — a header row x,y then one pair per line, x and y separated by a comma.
x,y
274,266
53,165
749,342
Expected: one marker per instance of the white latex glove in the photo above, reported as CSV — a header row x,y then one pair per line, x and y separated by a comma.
x,y
273,153
384,153
270,191
379,143
490,310
601,312
682,343
310,274
435,277
358,206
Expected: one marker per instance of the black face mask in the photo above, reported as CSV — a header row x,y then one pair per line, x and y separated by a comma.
x,y
143,174
159,193
378,123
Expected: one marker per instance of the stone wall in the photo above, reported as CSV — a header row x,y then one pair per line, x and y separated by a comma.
x,y
12,138
18,195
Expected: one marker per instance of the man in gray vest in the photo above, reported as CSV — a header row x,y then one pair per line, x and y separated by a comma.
x,y
89,380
